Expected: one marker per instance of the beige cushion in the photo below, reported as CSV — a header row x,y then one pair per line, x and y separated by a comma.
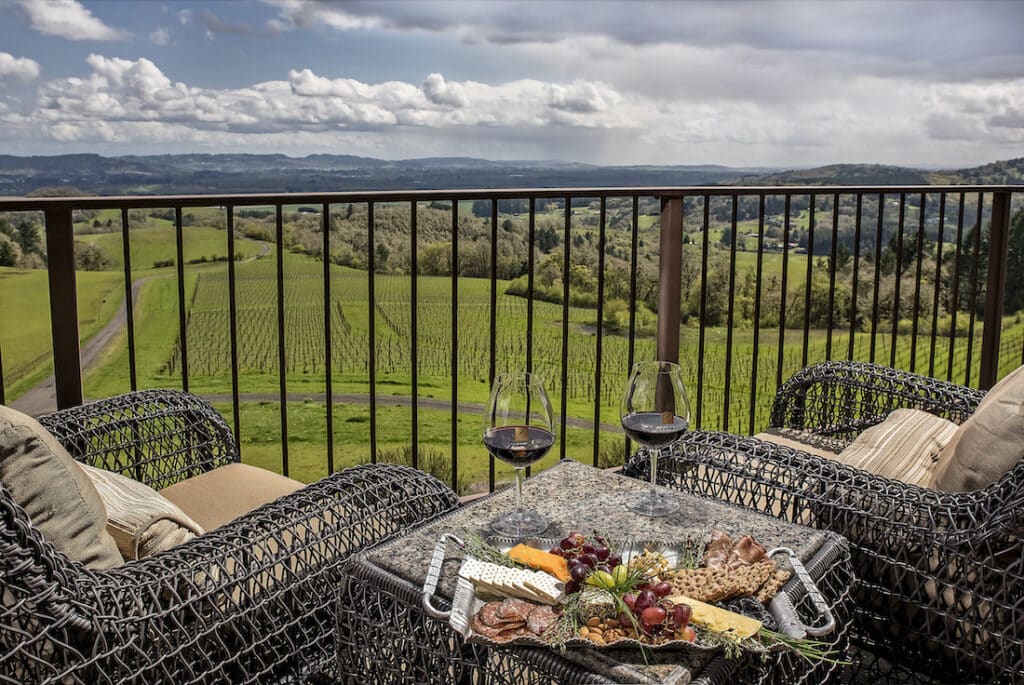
x,y
216,497
905,446
140,519
57,496
989,443
794,440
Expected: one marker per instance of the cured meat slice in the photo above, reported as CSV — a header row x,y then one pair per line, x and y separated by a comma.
x,y
540,619
718,550
481,628
514,610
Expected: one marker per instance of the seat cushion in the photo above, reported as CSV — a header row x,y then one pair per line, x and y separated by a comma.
x,y
140,519
216,497
905,447
793,439
989,443
58,497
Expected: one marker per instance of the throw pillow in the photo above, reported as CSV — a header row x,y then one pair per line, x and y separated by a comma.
x,y
140,519
58,497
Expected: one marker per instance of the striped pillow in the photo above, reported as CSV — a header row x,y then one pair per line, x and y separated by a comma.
x,y
905,447
140,519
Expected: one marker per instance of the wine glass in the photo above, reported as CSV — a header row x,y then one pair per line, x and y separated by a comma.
x,y
655,412
519,430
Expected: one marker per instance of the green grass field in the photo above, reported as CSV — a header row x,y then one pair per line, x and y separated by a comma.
x,y
707,371
157,244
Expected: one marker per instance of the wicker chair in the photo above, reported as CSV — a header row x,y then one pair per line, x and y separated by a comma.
x,y
250,602
942,574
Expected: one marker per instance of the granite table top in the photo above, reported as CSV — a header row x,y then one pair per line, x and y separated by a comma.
x,y
574,496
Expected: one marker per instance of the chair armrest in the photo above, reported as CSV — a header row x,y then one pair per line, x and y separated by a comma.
x,y
280,552
158,437
840,399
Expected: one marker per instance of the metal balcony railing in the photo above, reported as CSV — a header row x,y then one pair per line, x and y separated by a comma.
x,y
940,239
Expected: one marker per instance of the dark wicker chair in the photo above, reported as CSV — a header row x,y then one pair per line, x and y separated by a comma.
x,y
250,602
942,574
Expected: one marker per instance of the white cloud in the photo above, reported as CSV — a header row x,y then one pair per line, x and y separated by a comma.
x,y
67,19
160,37
18,68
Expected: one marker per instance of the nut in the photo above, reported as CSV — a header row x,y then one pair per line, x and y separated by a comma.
x,y
593,622
597,639
584,631
612,622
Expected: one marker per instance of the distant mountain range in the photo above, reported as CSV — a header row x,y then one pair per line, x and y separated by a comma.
x,y
244,173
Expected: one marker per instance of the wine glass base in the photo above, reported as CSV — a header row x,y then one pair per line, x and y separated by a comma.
x,y
654,504
519,524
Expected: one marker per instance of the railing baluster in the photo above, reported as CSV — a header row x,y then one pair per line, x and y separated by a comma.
x,y
129,300
635,230
955,304
879,231
531,239
915,313
755,354
455,345
811,206
703,309
371,307
726,390
414,363
179,241
3,393
995,293
281,360
856,274
328,362
938,282
833,256
975,266
233,322
565,326
493,320
782,290
898,281
600,329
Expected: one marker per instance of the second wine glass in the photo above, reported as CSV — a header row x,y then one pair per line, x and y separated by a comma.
x,y
519,430
655,412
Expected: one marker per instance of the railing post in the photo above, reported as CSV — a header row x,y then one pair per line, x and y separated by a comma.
x,y
995,293
60,262
670,268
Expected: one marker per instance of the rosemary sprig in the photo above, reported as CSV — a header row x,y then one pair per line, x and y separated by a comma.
x,y
811,650
476,547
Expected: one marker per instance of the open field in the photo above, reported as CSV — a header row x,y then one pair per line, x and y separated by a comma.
x,y
26,340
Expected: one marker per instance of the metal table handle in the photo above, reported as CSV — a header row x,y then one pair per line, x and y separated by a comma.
x,y
434,575
785,613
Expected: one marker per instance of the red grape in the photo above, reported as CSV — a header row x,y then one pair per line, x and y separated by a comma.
x,y
555,550
629,599
588,559
662,589
571,587
652,617
614,560
588,548
645,599
681,616
689,634
567,543
602,552
579,572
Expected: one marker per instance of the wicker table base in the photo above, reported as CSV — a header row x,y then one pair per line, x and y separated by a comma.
x,y
384,636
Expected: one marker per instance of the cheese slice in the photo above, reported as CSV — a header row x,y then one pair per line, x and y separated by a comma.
x,y
719,620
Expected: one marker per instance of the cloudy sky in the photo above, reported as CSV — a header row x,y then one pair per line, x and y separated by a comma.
x,y
767,83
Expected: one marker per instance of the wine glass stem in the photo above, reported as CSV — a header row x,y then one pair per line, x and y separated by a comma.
x,y
519,492
655,453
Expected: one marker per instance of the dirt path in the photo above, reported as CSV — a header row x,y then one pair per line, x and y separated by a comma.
x,y
43,397
389,401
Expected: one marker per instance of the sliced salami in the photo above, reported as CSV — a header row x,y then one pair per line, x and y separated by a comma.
x,y
540,619
514,609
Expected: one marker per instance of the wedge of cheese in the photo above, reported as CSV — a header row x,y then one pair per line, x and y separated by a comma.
x,y
719,620
541,560
534,586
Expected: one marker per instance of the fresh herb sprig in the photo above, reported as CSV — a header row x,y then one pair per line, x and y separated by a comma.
x,y
478,548
812,651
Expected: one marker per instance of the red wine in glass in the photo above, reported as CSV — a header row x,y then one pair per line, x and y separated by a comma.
x,y
519,446
651,428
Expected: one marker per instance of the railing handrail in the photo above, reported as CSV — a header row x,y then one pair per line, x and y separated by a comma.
x,y
21,204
